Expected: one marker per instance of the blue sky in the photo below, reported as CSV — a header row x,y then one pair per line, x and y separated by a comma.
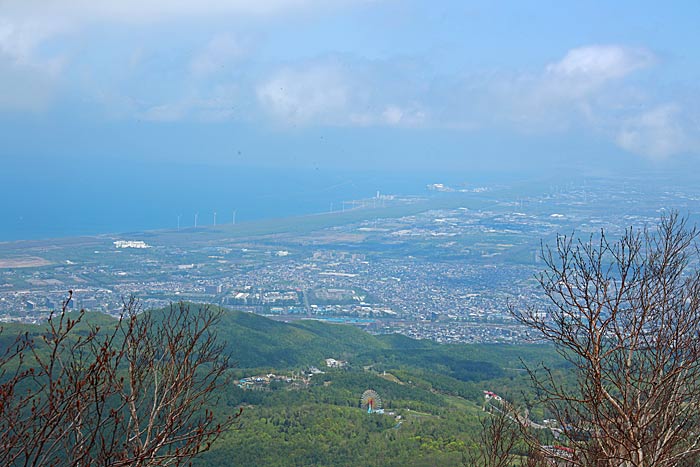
x,y
351,83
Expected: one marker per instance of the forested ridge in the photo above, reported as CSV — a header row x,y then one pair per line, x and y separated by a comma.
x,y
432,393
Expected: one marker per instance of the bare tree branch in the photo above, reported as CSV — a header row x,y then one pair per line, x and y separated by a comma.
x,y
626,316
139,393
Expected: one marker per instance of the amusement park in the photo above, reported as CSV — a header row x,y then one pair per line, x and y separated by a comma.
x,y
371,402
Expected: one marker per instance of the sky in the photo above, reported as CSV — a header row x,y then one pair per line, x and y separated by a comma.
x,y
350,84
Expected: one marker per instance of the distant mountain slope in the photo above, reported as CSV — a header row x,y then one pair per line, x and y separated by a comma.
x,y
255,341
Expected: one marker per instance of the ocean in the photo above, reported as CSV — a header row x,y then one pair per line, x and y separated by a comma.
x,y
49,201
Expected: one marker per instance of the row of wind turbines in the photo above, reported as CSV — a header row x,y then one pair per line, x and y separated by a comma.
x,y
196,219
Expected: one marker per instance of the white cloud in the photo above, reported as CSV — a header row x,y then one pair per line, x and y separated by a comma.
x,y
221,51
391,115
342,93
38,36
585,88
657,133
19,42
585,73
597,64
590,89
217,104
318,92
157,10
15,41
26,76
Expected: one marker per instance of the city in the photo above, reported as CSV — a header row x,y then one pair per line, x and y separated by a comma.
x,y
445,267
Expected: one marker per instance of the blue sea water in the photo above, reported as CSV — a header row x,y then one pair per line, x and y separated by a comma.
x,y
50,200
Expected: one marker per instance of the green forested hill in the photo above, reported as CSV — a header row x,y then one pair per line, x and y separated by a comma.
x,y
432,393
255,341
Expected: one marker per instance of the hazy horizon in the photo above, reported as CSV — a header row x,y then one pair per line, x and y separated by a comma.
x,y
114,105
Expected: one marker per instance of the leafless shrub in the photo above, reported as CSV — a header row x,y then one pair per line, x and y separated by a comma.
x,y
139,393
496,442
626,316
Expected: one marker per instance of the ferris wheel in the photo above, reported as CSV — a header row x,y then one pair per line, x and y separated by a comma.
x,y
371,401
